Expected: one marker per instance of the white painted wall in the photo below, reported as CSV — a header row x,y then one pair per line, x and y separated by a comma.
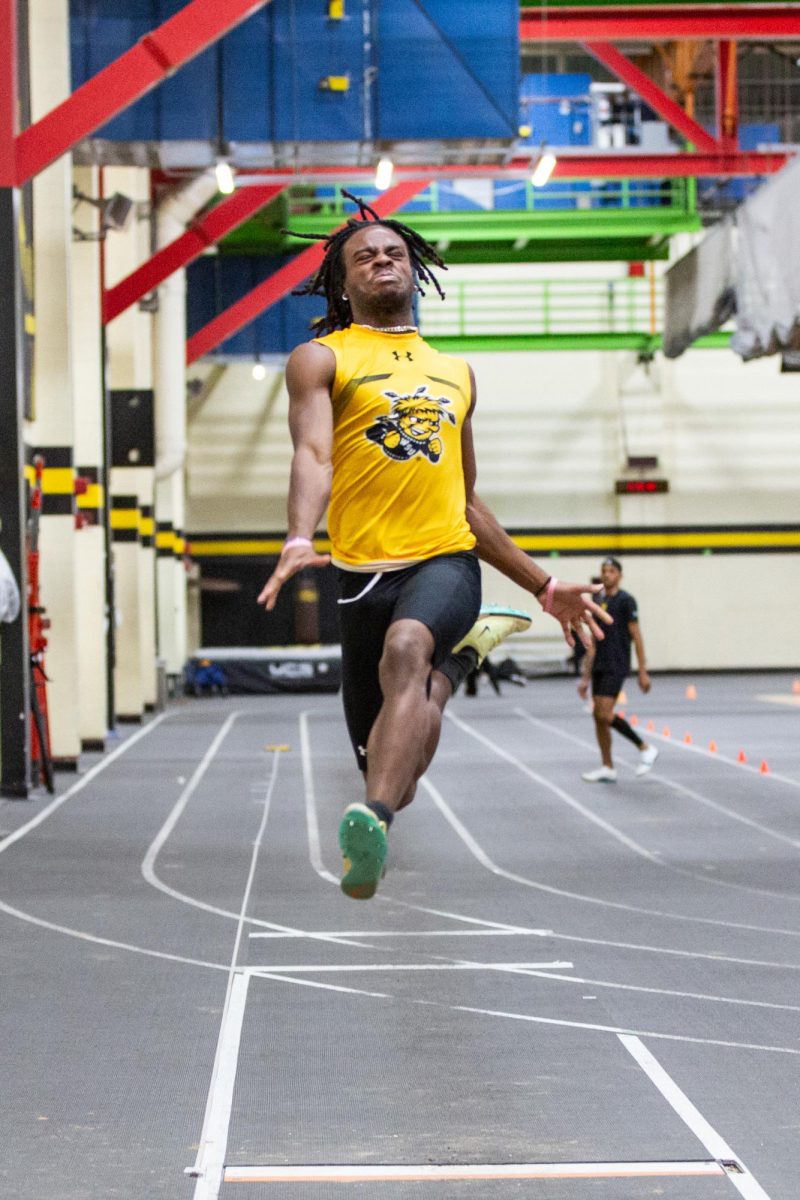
x,y
549,438
549,445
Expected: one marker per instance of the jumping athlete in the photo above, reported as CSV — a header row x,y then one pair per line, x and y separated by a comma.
x,y
382,436
607,664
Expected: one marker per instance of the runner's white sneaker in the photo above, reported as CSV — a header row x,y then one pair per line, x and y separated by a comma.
x,y
601,775
647,760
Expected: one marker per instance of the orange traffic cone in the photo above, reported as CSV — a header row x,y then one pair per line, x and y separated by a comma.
x,y
796,687
691,692
764,769
633,719
650,727
741,757
687,738
712,746
665,731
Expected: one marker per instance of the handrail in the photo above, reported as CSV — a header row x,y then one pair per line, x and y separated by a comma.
x,y
544,306
672,194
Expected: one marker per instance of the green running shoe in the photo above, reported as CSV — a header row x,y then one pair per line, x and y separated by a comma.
x,y
494,624
362,840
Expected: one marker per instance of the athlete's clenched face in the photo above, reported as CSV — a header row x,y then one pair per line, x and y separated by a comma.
x,y
378,273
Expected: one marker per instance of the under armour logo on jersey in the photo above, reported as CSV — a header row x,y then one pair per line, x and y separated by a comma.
x,y
398,356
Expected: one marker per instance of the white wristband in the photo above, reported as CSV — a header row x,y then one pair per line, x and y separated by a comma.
x,y
297,541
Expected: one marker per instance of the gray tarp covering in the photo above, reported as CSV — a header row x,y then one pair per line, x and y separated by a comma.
x,y
751,268
700,295
768,276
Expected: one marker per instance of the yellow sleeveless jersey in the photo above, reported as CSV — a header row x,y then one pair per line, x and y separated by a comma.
x,y
398,485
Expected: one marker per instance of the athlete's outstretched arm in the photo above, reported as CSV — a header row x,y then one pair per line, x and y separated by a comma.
x,y
570,603
309,375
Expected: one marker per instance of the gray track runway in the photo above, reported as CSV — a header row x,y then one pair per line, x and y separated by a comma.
x,y
561,991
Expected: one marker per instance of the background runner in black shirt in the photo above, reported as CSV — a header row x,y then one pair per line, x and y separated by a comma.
x,y
607,664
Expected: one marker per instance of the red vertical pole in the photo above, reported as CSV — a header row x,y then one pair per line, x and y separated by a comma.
x,y
727,96
9,93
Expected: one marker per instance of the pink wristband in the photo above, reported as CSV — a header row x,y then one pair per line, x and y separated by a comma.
x,y
297,541
548,597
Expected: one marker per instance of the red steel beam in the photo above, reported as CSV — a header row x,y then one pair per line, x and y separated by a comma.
x,y
155,57
727,96
9,94
674,166
652,94
204,232
662,24
620,165
262,297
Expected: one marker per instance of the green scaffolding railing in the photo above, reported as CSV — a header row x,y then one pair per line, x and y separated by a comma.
x,y
476,308
677,195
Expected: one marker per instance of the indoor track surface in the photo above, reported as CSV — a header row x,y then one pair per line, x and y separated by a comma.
x,y
561,991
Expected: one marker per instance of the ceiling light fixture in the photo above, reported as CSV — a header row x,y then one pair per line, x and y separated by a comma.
x,y
259,371
225,181
383,174
543,168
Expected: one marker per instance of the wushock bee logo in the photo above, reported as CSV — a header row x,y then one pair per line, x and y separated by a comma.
x,y
412,426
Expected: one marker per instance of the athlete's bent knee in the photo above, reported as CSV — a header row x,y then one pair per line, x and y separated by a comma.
x,y
406,653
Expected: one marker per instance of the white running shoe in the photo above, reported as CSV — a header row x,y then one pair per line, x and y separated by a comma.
x,y
494,624
600,775
647,760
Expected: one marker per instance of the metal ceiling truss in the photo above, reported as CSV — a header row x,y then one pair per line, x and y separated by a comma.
x,y
662,23
154,58
573,163
206,231
200,23
598,28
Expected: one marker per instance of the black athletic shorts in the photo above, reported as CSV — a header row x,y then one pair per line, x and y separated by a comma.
x,y
444,593
607,683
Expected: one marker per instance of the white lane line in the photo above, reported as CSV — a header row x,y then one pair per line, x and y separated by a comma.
x,y
82,935
344,968
166,829
453,1172
616,1029
155,847
415,933
549,728
653,991
735,816
719,958
714,1143
565,797
220,1098
312,824
717,757
500,1014
256,973
490,865
91,774
714,755
210,1160
653,856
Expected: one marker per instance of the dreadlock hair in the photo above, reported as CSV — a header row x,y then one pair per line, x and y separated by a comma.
x,y
329,279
